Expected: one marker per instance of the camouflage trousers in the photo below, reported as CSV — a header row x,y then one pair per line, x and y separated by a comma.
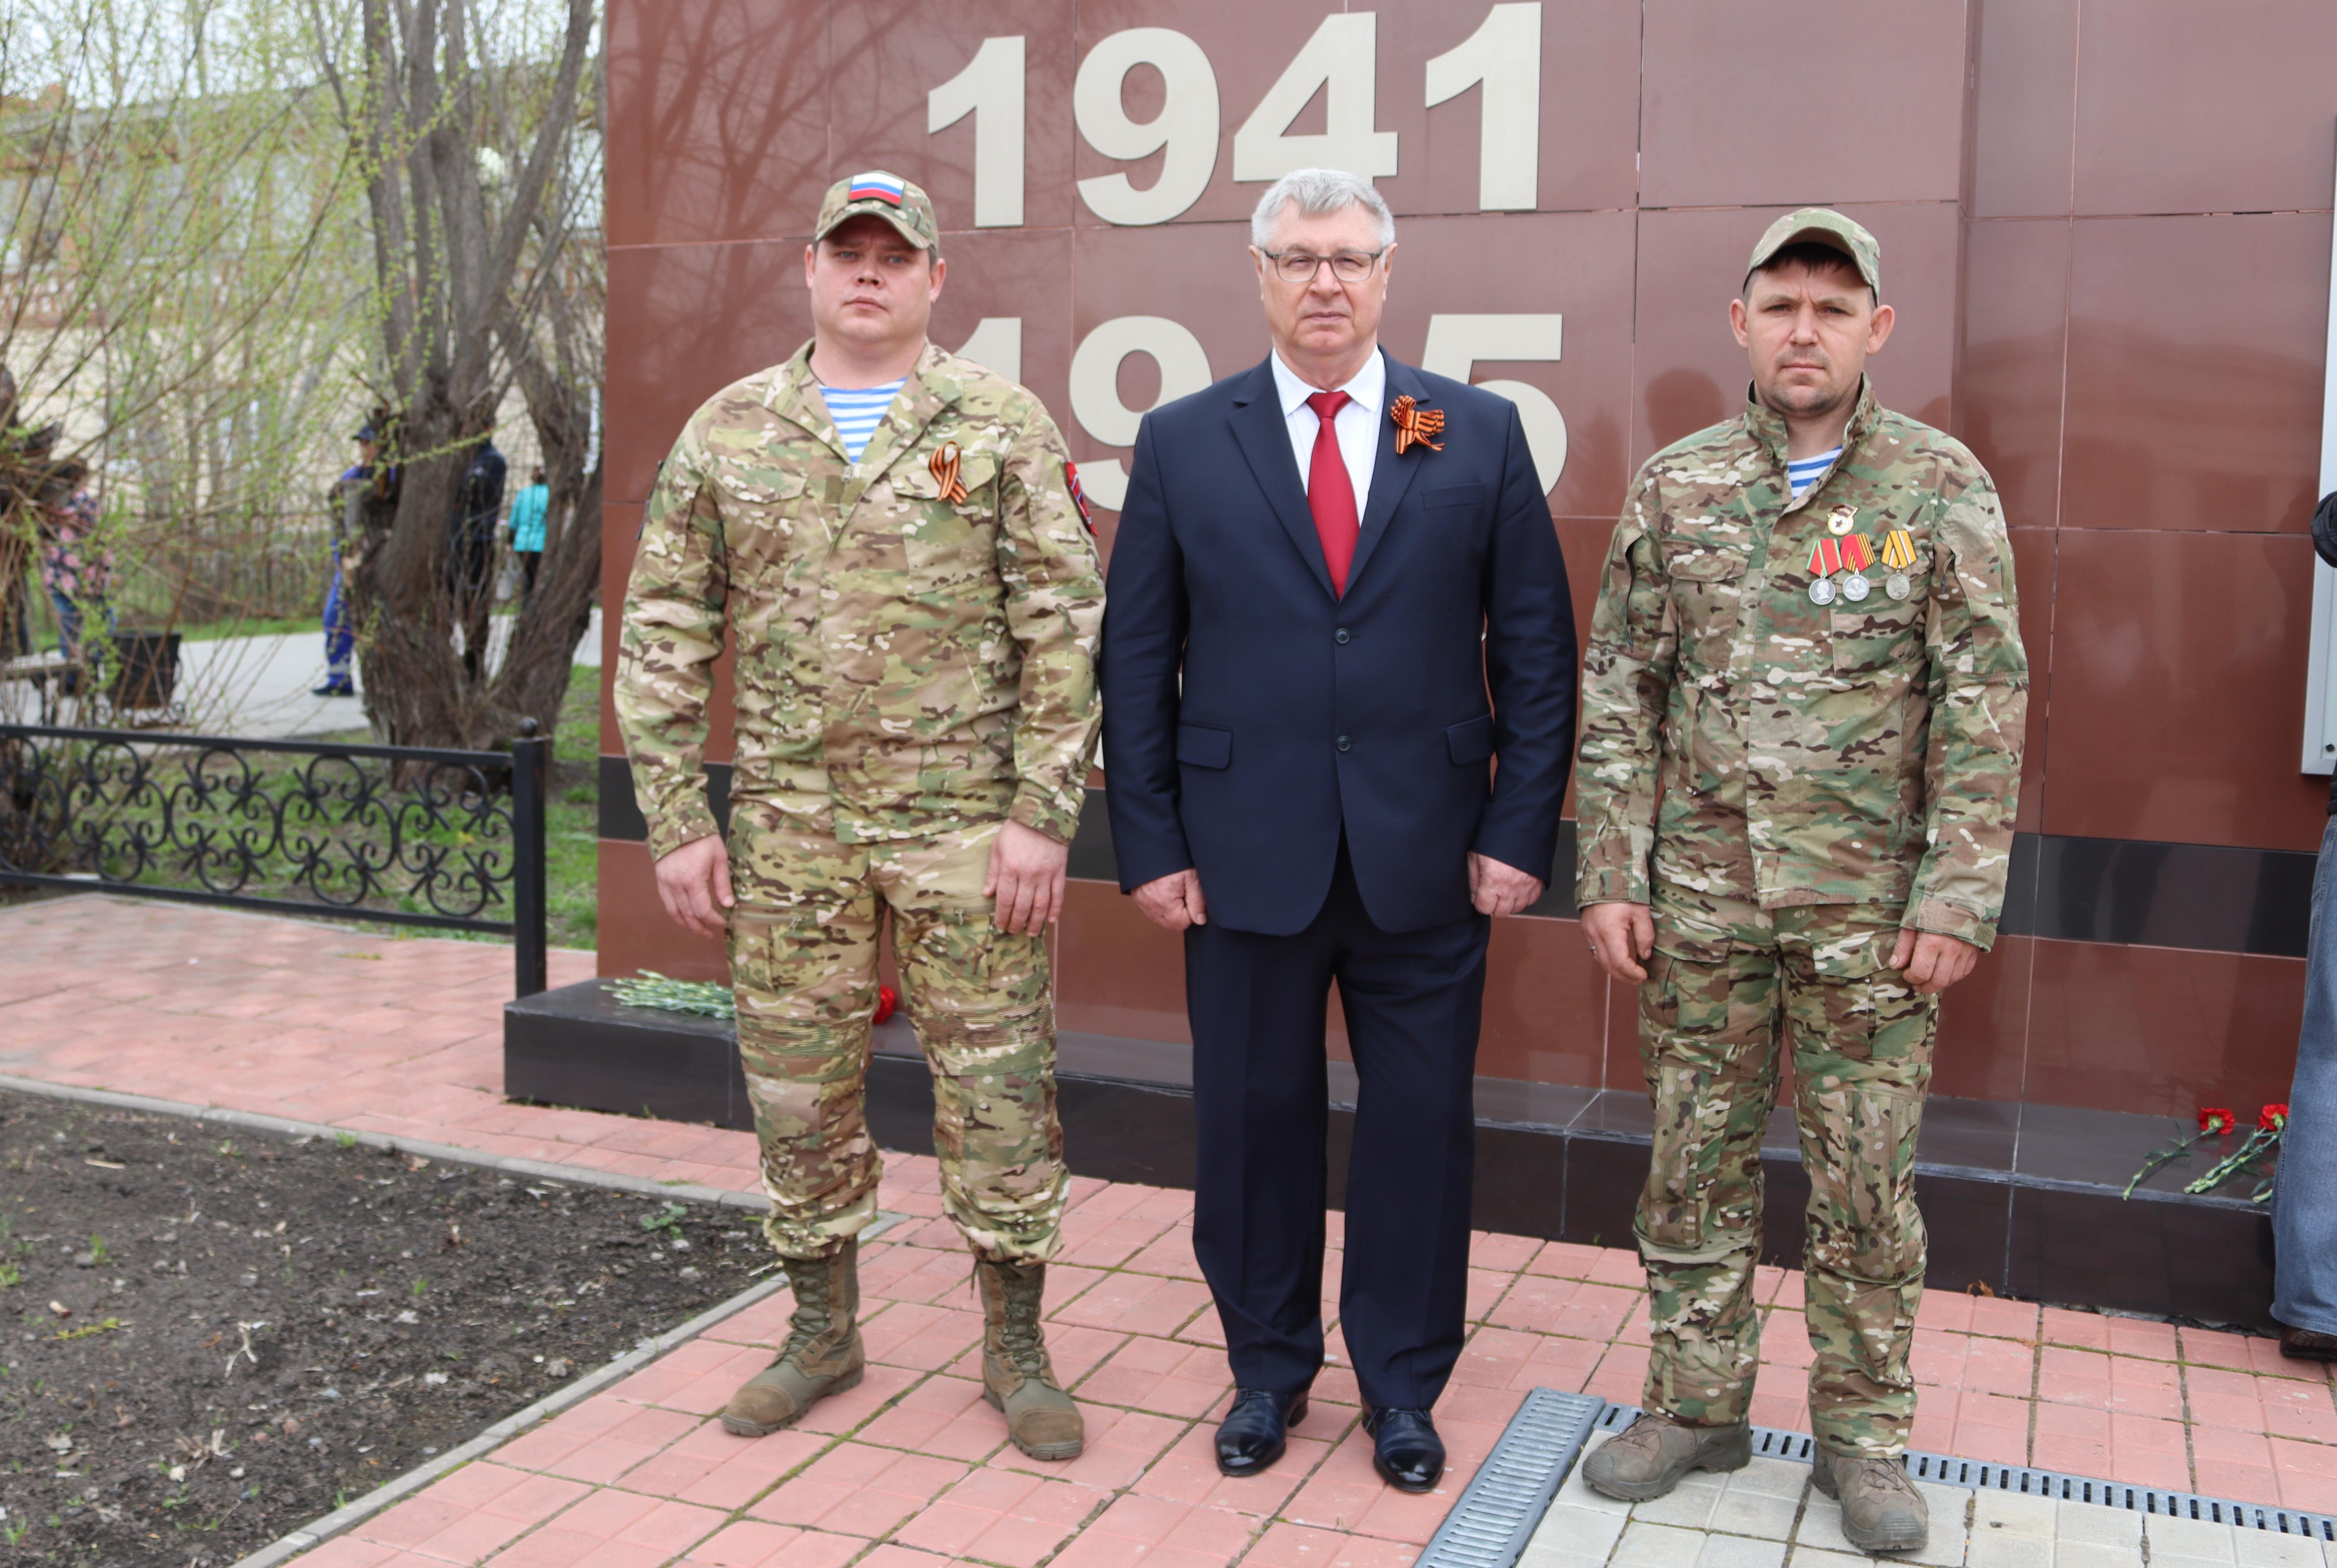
x,y
1725,975
803,962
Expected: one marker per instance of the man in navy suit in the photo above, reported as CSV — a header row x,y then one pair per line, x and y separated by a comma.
x,y
1324,566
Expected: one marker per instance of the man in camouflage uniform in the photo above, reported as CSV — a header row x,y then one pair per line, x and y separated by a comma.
x,y
892,537
1798,790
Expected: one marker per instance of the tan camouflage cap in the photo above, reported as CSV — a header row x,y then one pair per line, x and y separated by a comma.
x,y
1822,226
881,195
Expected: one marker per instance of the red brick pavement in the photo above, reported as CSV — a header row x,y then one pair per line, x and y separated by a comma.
x,y
910,1469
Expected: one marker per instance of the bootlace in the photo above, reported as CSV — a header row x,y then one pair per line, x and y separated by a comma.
x,y
814,1315
1019,1335
1646,1432
1888,1474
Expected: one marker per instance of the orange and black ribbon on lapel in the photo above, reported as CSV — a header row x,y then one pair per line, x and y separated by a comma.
x,y
1415,423
944,467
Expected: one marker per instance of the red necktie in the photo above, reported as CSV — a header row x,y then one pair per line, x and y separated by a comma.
x,y
1330,493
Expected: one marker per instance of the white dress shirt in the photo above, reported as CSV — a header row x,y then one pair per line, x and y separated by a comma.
x,y
1357,424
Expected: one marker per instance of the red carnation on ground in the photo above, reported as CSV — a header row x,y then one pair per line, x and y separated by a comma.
x,y
2216,1119
2273,1118
886,1000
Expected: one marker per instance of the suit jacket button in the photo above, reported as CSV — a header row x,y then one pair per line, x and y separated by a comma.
x,y
1340,635
1344,743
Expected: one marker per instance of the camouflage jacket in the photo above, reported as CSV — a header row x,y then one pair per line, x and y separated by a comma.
x,y
1742,740
904,662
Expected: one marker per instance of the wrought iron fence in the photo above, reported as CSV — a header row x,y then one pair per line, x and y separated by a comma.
x,y
408,836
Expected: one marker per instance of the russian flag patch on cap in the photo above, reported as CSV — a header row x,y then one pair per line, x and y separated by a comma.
x,y
879,187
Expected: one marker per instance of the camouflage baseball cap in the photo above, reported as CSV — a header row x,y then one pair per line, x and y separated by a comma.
x,y
881,195
1822,226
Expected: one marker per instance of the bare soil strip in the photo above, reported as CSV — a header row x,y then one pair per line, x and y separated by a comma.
x,y
209,1338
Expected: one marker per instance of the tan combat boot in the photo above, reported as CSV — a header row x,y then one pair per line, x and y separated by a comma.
x,y
822,1355
1880,1509
1016,1376
1655,1451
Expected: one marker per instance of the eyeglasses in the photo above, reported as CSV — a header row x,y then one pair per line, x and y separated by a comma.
x,y
1347,266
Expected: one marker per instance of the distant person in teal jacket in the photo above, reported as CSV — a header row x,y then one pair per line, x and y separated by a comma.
x,y
527,528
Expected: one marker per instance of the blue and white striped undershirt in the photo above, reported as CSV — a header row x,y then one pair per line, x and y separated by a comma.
x,y
857,411
1801,472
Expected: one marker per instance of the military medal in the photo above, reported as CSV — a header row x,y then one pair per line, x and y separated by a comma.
x,y
1858,558
1899,554
1825,560
1843,519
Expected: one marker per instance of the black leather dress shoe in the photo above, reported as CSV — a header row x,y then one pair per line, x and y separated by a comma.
x,y
1405,1449
1251,1436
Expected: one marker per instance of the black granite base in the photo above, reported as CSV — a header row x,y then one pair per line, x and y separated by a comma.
x,y
577,1046
2021,1199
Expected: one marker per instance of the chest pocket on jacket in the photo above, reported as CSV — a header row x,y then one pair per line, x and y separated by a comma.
x,y
761,514
1881,633
949,541
1708,581
1453,496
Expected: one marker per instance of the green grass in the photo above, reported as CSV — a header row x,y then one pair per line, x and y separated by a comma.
x,y
571,827
146,618
571,821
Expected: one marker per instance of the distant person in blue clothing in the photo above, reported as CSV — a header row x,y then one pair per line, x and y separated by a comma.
x,y
2305,1189
347,501
527,528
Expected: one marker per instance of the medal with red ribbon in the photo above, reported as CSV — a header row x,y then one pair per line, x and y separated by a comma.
x,y
1828,557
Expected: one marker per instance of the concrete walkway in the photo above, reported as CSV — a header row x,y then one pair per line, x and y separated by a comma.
x,y
910,1470
262,687
1766,1514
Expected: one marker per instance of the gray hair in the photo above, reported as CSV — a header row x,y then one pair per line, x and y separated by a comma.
x,y
1317,191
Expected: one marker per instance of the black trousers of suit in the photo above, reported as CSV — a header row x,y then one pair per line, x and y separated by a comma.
x,y
1413,1004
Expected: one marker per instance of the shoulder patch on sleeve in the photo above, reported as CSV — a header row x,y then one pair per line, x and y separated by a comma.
x,y
1079,496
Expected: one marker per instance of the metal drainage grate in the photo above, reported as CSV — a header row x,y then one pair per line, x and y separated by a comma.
x,y
1984,1476
1497,1511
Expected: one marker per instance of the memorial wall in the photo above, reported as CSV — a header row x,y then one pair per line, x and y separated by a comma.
x,y
2105,229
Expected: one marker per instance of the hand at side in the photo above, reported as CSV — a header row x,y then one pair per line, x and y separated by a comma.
x,y
693,883
1498,889
1931,962
1026,879
1622,937
1173,902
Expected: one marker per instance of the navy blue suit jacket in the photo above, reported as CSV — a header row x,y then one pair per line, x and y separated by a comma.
x,y
1302,713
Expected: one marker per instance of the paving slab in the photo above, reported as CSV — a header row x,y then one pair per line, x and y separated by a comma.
x,y
280,1017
